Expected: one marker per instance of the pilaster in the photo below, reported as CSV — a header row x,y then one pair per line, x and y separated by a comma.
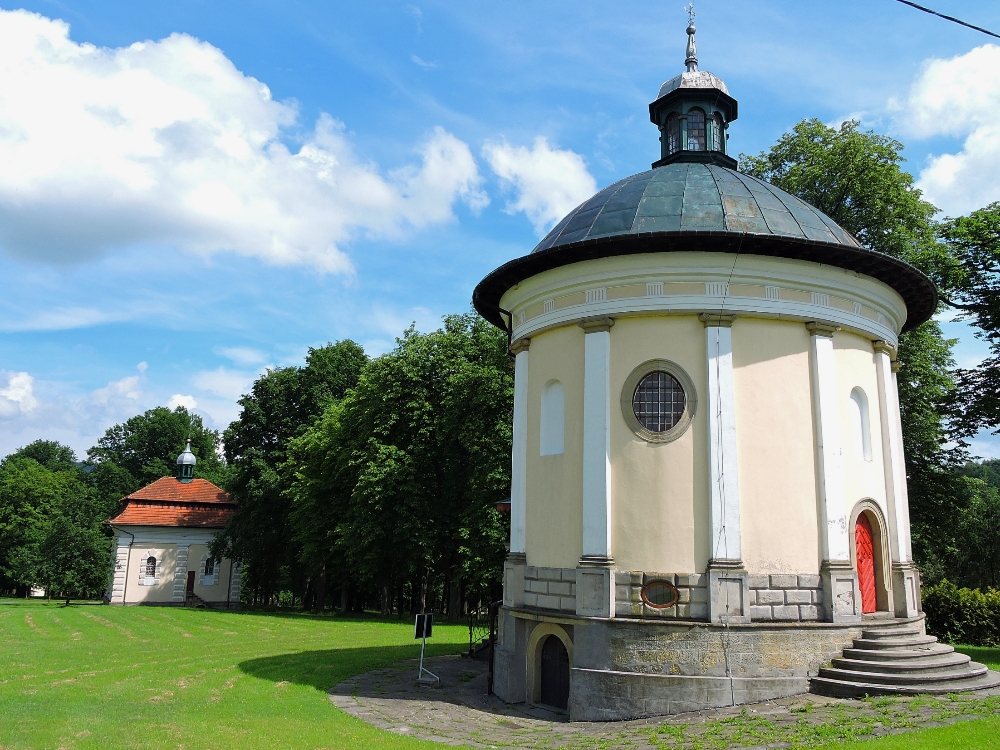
x,y
519,452
180,574
728,591
513,579
840,582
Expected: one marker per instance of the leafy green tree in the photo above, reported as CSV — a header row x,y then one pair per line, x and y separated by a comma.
x,y
51,531
856,178
145,448
50,454
400,480
282,404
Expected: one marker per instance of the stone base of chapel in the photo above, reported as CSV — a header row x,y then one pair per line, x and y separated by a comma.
x,y
628,668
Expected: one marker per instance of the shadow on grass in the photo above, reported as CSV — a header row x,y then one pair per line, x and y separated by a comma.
x,y
324,669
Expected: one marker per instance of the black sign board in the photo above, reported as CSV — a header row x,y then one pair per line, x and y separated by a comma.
x,y
423,626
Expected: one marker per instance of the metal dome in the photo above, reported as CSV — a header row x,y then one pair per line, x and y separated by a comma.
x,y
687,206
187,458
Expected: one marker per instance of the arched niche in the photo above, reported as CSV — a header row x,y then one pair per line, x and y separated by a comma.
x,y
552,437
861,424
536,642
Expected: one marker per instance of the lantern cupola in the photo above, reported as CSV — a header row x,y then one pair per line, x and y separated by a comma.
x,y
693,111
185,464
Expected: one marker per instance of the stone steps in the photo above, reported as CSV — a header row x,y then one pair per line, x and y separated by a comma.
x,y
900,660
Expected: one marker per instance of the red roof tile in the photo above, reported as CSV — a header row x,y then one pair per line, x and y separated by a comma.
x,y
170,502
171,489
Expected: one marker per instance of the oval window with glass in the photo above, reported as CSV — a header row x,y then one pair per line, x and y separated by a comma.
x,y
658,401
660,594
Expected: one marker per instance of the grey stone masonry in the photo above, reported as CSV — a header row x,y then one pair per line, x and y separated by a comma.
x,y
785,597
550,588
692,603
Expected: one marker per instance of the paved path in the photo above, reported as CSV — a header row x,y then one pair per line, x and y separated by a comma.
x,y
460,713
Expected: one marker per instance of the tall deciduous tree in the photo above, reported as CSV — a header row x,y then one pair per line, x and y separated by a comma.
x,y
398,483
282,404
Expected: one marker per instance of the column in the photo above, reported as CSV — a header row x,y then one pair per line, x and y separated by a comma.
x,y
119,583
513,589
842,596
595,575
905,577
728,580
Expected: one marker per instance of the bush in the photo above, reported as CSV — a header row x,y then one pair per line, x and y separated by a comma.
x,y
968,616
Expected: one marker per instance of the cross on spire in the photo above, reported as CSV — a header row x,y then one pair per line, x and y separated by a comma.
x,y
691,59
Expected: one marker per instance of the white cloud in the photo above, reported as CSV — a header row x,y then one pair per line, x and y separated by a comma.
x,y
142,366
18,396
179,399
548,183
118,392
59,318
422,62
166,142
228,384
243,355
958,98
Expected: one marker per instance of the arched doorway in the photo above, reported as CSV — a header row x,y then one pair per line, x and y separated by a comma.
x,y
555,673
865,550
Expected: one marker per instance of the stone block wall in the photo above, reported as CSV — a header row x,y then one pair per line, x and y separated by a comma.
x,y
785,598
550,588
692,587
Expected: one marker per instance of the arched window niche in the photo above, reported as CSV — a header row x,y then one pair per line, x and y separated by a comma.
x,y
861,425
553,419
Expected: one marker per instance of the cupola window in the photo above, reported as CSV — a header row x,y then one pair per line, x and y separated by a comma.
x,y
715,131
673,135
696,130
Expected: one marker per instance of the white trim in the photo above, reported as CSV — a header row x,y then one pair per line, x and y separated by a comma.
x,y
519,454
856,290
597,444
724,490
829,451
892,464
596,295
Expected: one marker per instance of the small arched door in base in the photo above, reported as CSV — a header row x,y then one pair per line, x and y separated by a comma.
x,y
865,549
555,673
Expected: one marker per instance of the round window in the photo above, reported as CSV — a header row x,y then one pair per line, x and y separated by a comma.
x,y
658,402
660,594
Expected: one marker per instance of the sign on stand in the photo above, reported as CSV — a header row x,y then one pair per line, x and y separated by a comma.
x,y
422,629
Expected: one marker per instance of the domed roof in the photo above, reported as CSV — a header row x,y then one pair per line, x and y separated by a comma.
x,y
697,79
665,209
187,458
695,196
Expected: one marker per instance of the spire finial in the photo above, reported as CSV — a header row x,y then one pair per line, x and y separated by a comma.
x,y
691,60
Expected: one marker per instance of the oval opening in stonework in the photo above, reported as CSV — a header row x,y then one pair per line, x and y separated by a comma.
x,y
660,594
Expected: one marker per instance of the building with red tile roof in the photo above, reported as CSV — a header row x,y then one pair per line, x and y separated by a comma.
x,y
164,532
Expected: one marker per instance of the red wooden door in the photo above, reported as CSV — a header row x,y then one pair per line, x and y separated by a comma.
x,y
866,563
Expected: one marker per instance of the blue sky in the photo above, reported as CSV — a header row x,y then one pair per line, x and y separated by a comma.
x,y
195,191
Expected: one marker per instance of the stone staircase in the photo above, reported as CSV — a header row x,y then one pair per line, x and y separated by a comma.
x,y
193,600
901,661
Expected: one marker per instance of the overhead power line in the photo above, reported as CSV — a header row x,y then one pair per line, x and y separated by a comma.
x,y
948,18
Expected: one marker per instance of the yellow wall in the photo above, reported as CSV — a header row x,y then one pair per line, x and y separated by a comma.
x,y
855,357
554,512
659,490
214,593
163,591
775,447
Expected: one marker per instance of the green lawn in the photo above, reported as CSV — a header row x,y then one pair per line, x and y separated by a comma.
x,y
89,676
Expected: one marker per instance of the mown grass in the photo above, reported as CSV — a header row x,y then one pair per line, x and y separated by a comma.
x,y
981,734
88,676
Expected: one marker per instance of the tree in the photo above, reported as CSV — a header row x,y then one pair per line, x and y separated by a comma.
x,y
397,484
51,531
50,454
281,405
855,178
145,448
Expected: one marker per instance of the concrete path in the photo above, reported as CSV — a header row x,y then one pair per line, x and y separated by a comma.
x,y
460,713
